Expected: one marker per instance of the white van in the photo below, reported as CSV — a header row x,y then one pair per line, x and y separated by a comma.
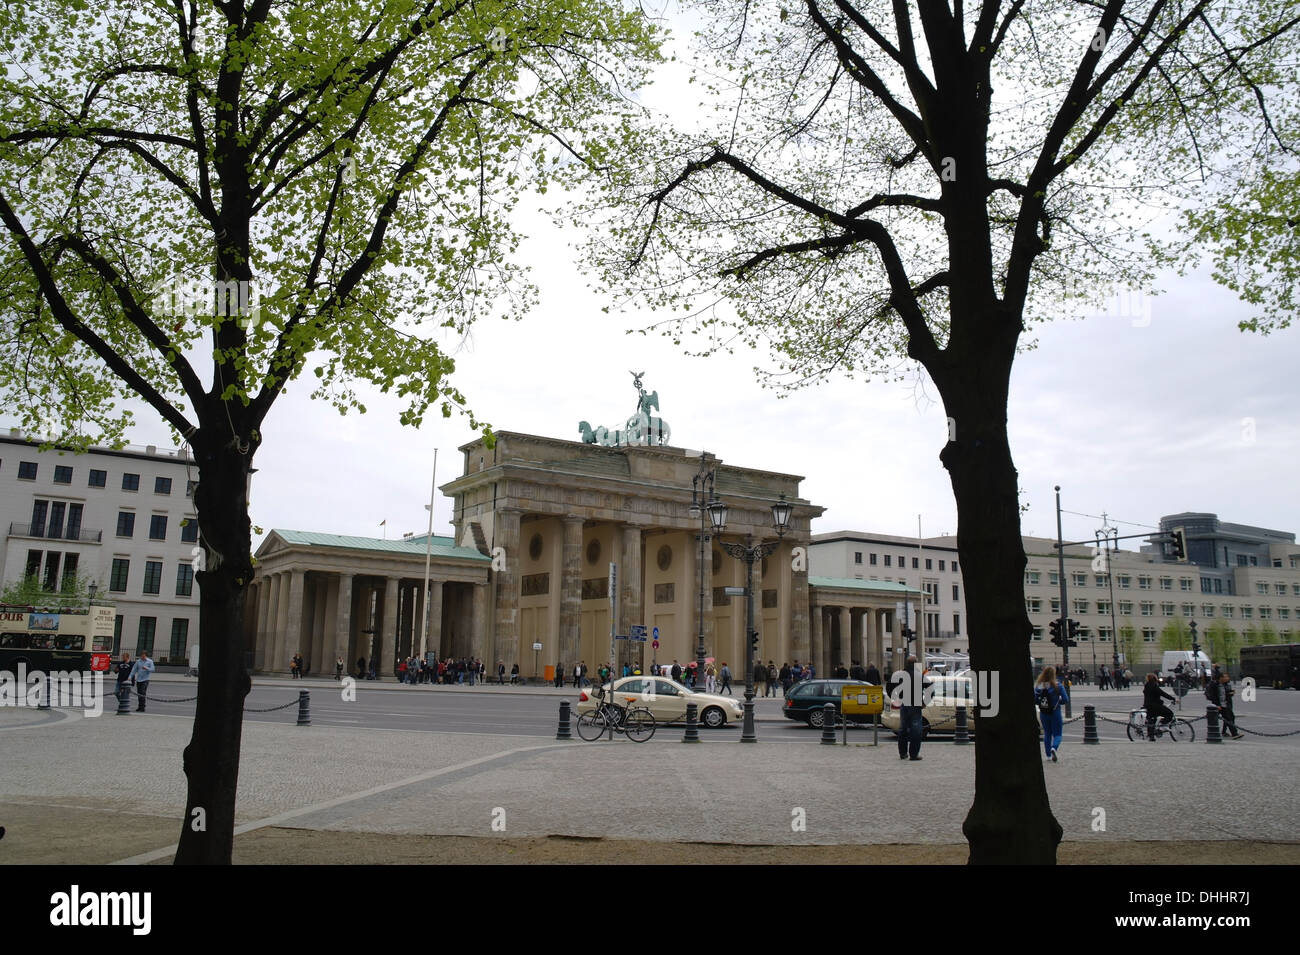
x,y
1193,665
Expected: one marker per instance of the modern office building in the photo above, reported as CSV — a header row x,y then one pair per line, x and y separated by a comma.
x,y
1247,578
122,519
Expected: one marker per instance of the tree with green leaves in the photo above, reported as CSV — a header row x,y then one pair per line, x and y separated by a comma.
x,y
30,591
1128,644
204,199
1221,642
883,181
1175,635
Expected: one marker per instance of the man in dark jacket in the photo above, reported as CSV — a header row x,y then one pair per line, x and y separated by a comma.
x,y
1220,694
909,688
872,675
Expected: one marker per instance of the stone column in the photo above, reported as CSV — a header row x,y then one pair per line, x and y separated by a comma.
x,y
279,661
814,636
846,640
293,628
388,628
316,655
343,624
478,629
799,611
629,597
435,618
506,645
571,593
263,622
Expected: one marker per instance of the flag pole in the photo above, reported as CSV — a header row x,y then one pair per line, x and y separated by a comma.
x,y
428,549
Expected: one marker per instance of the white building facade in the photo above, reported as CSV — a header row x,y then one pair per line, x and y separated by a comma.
x,y
123,520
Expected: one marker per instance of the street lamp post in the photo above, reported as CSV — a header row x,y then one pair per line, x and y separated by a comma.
x,y
703,497
750,552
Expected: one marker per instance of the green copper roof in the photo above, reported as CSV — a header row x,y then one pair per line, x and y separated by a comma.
x,y
845,583
440,547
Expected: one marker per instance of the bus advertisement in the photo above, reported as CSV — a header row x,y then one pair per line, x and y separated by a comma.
x,y
47,639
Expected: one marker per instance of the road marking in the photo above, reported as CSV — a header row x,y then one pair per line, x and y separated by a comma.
x,y
157,854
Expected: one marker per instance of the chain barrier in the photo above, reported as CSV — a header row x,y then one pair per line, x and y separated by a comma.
x,y
270,709
150,698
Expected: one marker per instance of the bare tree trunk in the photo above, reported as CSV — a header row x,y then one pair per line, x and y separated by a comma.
x,y
212,756
1011,821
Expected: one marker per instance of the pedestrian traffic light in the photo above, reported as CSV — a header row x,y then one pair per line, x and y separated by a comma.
x,y
1179,543
753,640
1074,633
1055,627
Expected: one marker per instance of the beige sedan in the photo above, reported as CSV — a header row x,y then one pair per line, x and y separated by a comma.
x,y
940,714
666,699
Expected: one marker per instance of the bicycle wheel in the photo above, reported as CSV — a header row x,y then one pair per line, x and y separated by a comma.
x,y
1182,731
639,725
1137,732
591,725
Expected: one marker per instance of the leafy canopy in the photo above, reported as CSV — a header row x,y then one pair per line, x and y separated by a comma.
x,y
211,197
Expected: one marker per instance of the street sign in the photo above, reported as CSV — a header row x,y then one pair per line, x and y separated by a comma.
x,y
655,644
638,631
620,636
862,700
537,646
655,633
734,591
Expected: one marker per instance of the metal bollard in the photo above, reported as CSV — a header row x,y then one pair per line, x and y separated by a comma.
x,y
692,728
124,700
1212,734
304,708
1090,725
961,735
828,724
563,731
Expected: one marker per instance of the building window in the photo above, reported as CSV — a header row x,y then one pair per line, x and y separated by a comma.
x,y
33,563
98,478
62,474
1241,560
1080,606
1038,633
1031,577
130,482
1102,580
1126,607
916,564
956,624
954,593
1205,585
857,557
1148,608
52,570
1265,613
887,559
873,560
902,561
125,524
1144,583
1033,605
158,527
27,470
1261,587
1247,612
929,564
40,510
184,580
1056,606
1283,613
1189,610
1166,583
162,485
1218,586
145,635
152,576
1148,635
1207,610
1103,634
190,530
121,570
1079,580
954,566
1184,583
1167,609
180,636
1227,610
1281,590
1052,579
1125,581
70,563
1103,606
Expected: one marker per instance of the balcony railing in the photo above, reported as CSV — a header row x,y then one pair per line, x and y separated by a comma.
x,y
29,530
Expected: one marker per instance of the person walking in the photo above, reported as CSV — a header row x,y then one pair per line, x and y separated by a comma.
x,y
909,691
872,675
726,679
559,675
338,670
123,678
1049,694
1220,694
501,673
771,678
141,673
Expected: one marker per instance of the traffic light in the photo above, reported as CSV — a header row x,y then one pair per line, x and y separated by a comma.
x,y
753,640
1179,543
1055,627
1074,633
909,635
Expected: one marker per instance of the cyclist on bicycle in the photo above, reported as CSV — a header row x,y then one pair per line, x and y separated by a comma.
x,y
1151,702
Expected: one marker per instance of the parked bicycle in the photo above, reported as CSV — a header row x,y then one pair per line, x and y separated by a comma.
x,y
636,723
1140,728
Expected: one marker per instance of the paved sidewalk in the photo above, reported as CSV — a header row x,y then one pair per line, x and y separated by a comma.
x,y
116,769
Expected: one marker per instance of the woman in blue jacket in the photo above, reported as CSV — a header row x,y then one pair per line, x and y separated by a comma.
x,y
1049,695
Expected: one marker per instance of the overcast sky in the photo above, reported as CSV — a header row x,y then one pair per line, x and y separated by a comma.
x,y
1138,416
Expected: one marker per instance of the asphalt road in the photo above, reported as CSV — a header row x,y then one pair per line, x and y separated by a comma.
x,y
534,713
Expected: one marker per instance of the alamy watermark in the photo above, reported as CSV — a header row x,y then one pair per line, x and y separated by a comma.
x,y
188,297
973,689
62,688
